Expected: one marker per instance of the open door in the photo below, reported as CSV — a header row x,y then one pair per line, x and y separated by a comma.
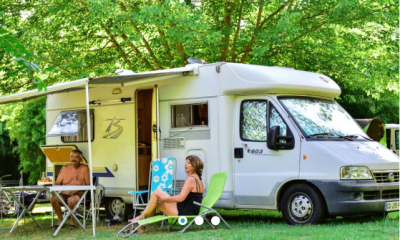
x,y
155,125
147,128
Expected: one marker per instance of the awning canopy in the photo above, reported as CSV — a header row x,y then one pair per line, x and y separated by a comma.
x,y
119,80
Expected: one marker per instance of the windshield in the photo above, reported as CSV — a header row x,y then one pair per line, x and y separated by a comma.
x,y
320,117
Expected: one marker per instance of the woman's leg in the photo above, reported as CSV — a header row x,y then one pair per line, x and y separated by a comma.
x,y
153,204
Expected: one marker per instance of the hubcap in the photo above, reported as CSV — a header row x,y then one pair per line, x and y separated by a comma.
x,y
301,206
117,206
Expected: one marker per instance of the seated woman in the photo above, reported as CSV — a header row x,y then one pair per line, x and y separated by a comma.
x,y
181,204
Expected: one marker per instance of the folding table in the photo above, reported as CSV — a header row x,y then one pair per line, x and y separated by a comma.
x,y
38,188
58,188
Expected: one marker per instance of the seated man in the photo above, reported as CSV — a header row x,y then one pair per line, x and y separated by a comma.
x,y
74,173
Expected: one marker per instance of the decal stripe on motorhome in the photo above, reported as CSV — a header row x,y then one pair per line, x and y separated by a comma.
x,y
97,172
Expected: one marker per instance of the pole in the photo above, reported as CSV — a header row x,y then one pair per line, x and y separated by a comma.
x,y
88,123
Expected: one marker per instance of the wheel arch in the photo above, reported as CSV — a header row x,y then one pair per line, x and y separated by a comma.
x,y
288,184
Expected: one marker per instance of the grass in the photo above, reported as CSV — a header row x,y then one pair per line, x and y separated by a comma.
x,y
244,225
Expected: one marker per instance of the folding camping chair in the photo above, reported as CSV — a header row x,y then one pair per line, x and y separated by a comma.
x,y
162,176
85,211
214,192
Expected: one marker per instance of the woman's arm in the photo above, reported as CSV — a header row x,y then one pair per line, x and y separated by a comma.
x,y
187,188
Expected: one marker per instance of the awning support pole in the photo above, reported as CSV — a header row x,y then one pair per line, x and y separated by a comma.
x,y
88,123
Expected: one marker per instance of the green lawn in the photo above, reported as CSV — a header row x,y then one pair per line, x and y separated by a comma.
x,y
244,225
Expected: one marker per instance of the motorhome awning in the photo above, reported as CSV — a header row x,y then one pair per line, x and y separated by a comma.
x,y
56,88
134,77
120,80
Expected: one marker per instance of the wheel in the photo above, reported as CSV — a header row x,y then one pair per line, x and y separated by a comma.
x,y
7,207
115,206
302,204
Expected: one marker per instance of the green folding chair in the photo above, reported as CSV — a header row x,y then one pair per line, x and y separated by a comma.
x,y
214,192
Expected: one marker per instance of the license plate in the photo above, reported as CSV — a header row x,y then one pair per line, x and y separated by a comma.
x,y
391,206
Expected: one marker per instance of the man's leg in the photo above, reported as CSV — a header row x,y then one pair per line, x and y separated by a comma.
x,y
56,204
72,201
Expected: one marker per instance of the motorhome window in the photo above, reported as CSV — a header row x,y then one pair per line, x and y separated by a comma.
x,y
396,135
253,120
316,116
188,115
275,119
71,126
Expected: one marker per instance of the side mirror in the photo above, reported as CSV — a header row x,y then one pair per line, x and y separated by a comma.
x,y
273,138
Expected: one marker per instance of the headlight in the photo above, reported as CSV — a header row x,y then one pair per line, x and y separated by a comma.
x,y
355,172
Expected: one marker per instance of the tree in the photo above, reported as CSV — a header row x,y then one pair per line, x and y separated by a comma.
x,y
27,127
354,42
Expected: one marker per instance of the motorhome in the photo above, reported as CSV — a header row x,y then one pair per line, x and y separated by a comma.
x,y
392,137
284,141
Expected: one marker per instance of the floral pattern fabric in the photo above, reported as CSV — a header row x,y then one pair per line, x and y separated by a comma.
x,y
162,174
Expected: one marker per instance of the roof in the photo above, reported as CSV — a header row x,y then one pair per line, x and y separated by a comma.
x,y
257,79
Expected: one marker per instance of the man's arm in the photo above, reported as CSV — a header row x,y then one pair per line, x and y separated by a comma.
x,y
87,176
60,177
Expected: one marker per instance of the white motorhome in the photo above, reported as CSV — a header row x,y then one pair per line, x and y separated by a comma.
x,y
392,137
278,133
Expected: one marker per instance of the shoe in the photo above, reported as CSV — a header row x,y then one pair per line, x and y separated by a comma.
x,y
72,227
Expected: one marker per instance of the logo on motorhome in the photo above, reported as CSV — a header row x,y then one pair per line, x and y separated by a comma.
x,y
114,129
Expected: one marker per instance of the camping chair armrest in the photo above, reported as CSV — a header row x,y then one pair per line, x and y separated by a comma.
x,y
201,205
138,192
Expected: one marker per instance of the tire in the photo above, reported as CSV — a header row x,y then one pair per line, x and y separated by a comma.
x,y
115,206
302,204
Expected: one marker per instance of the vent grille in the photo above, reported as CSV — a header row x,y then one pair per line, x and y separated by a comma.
x,y
390,194
385,177
175,143
371,195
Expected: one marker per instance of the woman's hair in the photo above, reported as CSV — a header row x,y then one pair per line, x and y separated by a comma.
x,y
196,163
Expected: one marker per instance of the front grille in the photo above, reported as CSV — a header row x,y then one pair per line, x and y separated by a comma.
x,y
385,177
390,194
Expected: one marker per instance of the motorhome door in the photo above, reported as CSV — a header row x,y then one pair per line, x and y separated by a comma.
x,y
258,170
147,128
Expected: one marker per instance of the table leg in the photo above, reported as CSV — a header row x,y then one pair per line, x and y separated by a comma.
x,y
70,212
25,210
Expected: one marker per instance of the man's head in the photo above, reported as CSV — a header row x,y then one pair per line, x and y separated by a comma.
x,y
76,157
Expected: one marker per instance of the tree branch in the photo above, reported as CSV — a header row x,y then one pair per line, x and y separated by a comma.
x,y
147,45
253,38
229,7
233,58
119,49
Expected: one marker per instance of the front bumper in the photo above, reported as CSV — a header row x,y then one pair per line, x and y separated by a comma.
x,y
356,197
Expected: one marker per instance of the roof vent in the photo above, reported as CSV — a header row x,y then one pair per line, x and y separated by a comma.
x,y
196,60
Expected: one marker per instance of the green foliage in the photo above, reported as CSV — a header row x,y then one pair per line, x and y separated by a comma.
x,y
354,42
27,128
8,160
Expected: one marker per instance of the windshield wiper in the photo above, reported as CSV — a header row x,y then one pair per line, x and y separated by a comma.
x,y
330,134
359,135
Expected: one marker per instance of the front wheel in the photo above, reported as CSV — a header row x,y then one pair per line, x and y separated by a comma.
x,y
303,204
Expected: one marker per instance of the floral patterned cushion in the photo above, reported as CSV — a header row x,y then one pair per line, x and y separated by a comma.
x,y
162,174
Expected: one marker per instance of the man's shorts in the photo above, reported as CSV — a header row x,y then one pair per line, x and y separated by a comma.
x,y
65,197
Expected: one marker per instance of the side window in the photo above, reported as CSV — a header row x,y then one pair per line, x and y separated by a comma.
x,y
253,120
71,126
396,136
188,115
275,119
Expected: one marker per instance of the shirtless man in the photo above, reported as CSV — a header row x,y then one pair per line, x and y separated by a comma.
x,y
74,173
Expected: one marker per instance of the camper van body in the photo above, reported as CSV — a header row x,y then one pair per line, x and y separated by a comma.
x,y
222,112
392,137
